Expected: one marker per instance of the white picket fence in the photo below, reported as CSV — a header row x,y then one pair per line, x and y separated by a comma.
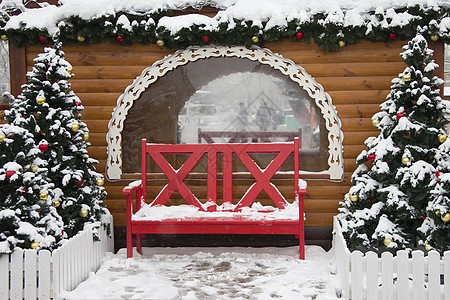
x,y
31,274
367,276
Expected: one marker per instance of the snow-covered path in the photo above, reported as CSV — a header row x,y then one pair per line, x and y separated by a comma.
x,y
212,273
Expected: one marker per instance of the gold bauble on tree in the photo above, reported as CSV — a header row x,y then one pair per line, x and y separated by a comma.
x,y
255,39
442,138
2,137
434,37
428,247
35,245
85,136
34,169
4,37
81,38
406,77
446,217
84,213
43,196
375,122
69,70
40,99
387,241
341,44
354,197
56,203
75,126
99,181
160,43
406,160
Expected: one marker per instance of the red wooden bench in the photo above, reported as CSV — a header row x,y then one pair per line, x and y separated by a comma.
x,y
210,217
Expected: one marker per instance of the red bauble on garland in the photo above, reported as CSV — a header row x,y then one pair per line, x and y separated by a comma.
x,y
392,36
43,147
42,39
371,157
205,38
78,183
400,115
299,35
119,39
9,174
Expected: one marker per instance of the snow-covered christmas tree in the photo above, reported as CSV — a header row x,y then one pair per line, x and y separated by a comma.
x,y
388,206
27,217
51,112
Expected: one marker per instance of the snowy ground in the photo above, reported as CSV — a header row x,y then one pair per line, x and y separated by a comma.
x,y
212,273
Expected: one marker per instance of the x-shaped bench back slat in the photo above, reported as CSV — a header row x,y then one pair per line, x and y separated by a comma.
x,y
241,151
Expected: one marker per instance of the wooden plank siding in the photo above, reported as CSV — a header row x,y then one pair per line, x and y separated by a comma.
x,y
357,77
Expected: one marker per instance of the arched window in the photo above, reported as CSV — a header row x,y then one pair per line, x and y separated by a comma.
x,y
221,95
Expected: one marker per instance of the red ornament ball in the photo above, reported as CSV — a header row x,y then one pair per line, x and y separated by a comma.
x,y
43,147
78,183
400,115
438,173
42,39
392,36
119,39
77,103
299,35
9,174
371,157
205,38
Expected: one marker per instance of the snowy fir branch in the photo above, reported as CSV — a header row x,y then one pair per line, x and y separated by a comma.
x,y
332,24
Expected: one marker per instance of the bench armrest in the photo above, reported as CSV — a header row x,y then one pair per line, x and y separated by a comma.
x,y
135,186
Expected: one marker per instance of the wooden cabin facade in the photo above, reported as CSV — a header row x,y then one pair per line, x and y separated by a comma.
x,y
356,77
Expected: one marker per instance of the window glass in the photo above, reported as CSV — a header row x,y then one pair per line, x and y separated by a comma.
x,y
222,100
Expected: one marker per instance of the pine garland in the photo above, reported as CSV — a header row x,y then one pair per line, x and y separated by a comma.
x,y
144,29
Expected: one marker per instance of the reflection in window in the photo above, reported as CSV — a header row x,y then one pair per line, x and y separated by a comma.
x,y
222,100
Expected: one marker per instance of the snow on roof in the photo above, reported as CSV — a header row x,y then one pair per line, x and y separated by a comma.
x,y
264,14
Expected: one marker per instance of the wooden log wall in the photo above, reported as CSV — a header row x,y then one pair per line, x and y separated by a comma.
x,y
357,77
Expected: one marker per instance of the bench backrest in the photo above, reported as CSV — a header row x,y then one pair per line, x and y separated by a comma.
x,y
241,151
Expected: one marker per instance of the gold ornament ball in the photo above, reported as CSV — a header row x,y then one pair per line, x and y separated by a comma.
x,y
43,196
442,138
35,245
255,39
160,43
446,218
84,213
56,203
34,169
81,38
375,122
406,160
354,197
341,43
69,70
434,37
2,138
386,242
99,181
428,247
437,212
40,100
4,37
406,77
75,126
85,136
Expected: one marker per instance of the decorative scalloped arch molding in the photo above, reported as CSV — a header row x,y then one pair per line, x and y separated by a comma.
x,y
264,56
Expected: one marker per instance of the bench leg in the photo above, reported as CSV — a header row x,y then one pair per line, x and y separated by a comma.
x,y
129,243
301,240
139,243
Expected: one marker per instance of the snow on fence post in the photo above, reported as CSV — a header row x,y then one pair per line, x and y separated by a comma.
x,y
28,274
390,277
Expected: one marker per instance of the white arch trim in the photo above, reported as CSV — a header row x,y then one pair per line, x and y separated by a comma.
x,y
262,55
